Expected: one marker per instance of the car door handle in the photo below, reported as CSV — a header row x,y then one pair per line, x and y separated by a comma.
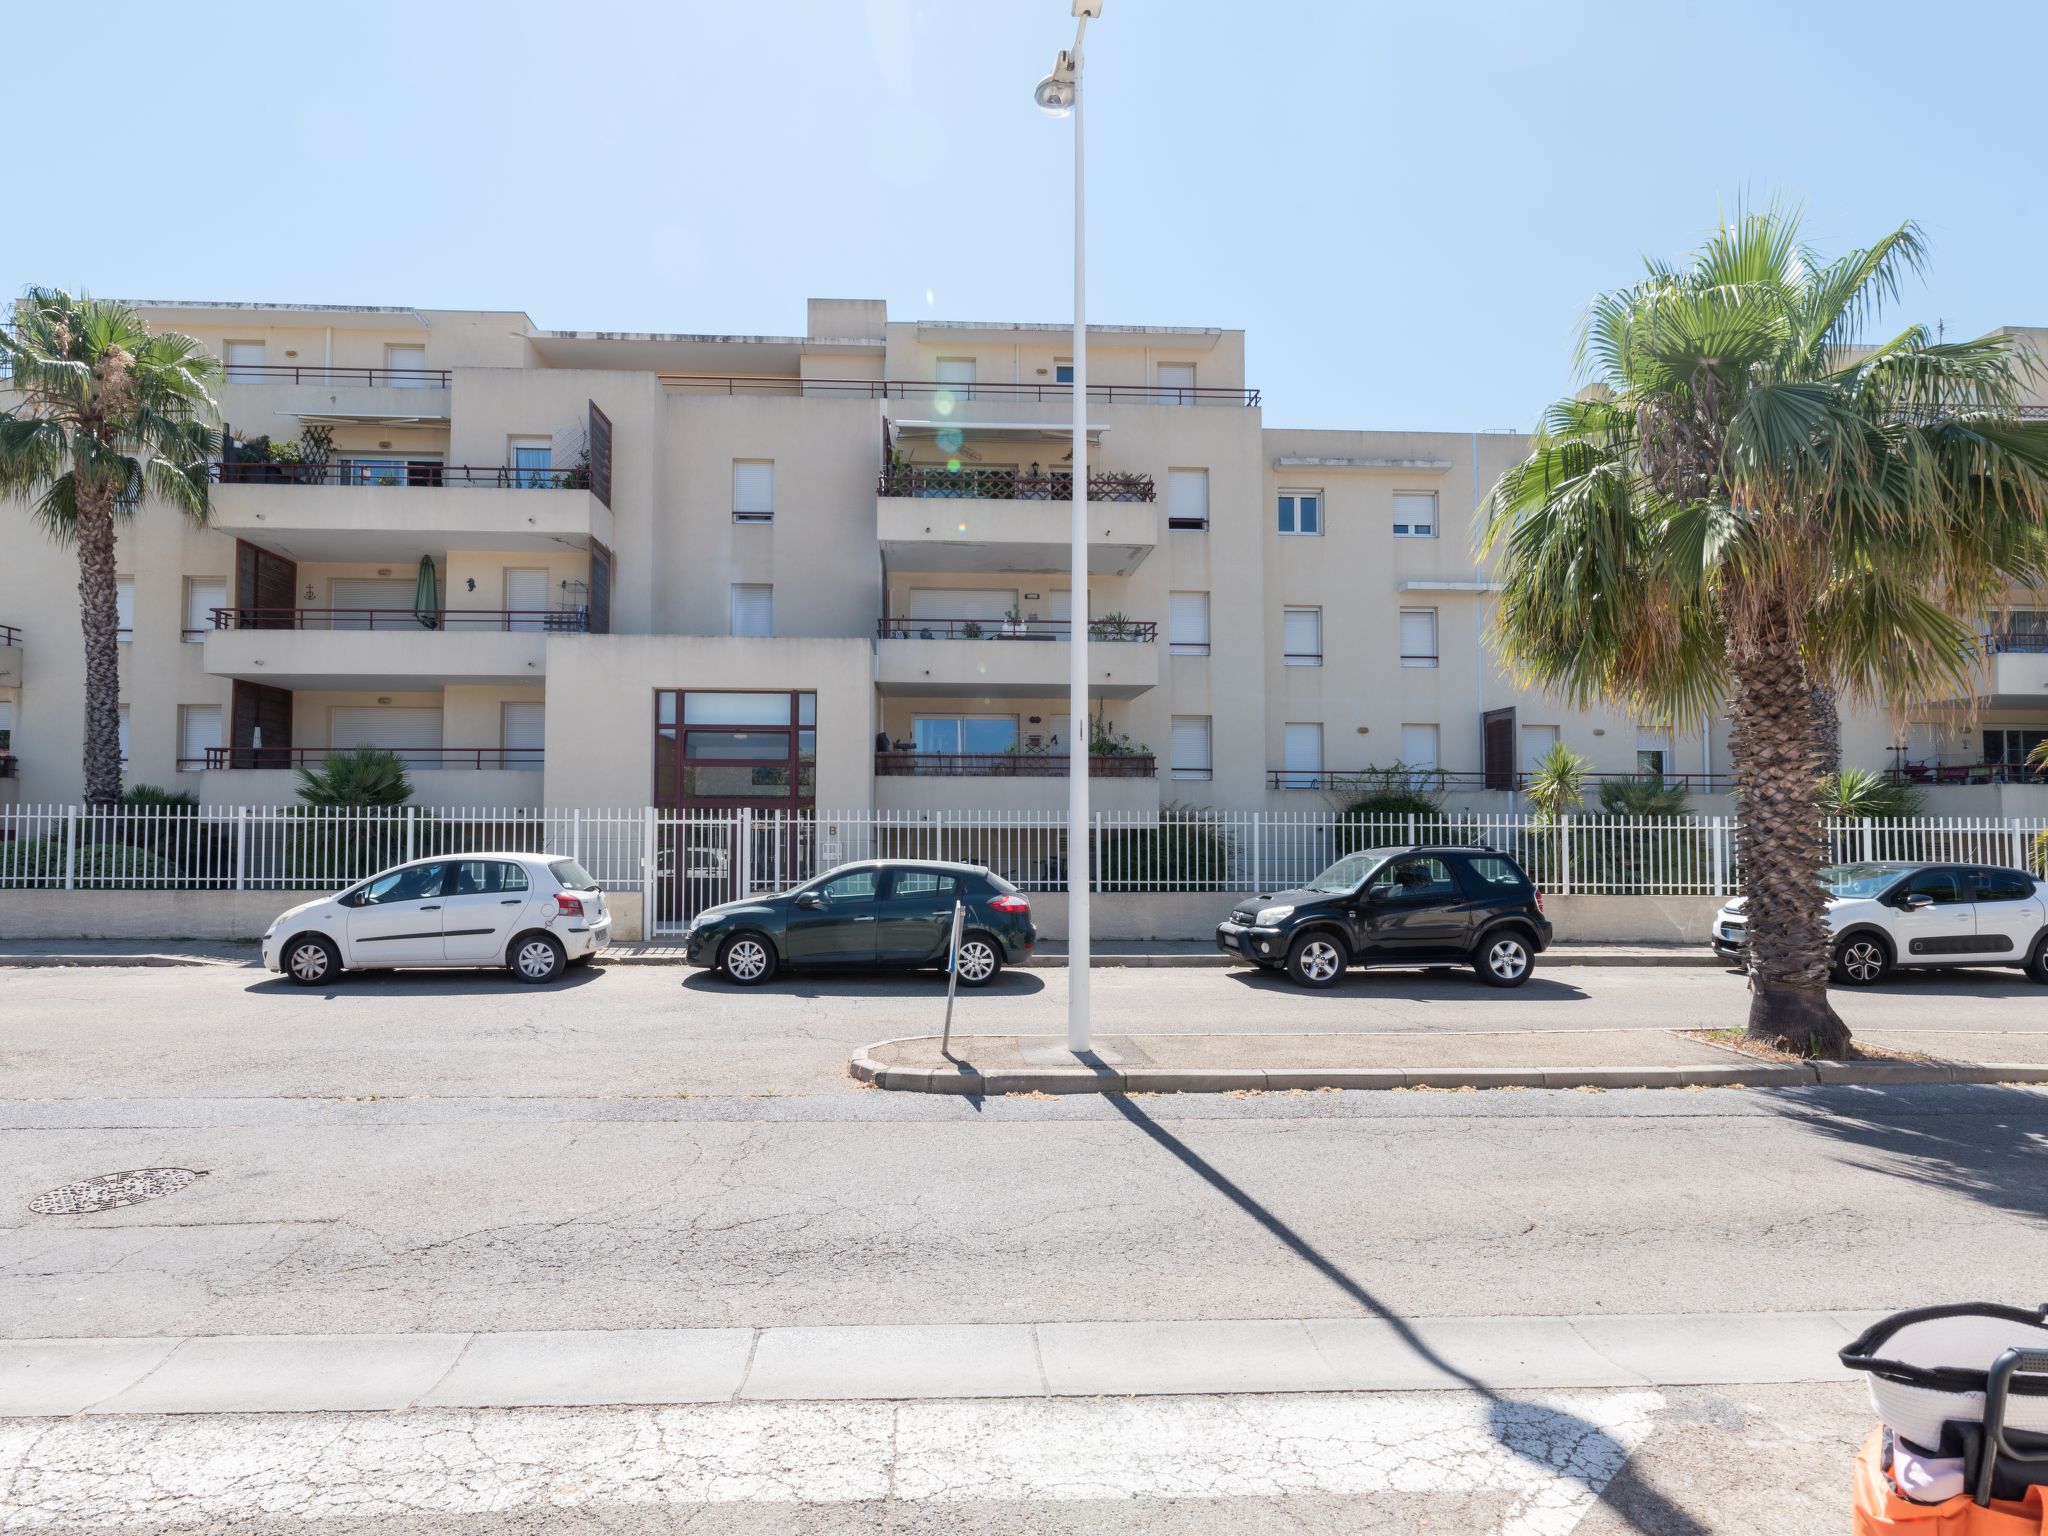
x,y
868,919
947,913
434,908
512,901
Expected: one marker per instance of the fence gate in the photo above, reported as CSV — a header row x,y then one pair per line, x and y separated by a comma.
x,y
696,865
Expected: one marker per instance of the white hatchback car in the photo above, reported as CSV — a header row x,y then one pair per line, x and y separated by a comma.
x,y
1887,915
534,913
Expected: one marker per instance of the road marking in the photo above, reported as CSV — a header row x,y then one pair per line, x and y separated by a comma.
x,y
1541,1460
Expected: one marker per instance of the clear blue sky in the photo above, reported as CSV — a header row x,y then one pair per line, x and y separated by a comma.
x,y
1406,206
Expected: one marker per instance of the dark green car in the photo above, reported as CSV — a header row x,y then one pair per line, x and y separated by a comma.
x,y
888,913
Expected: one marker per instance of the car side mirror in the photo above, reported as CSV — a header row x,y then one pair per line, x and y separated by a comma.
x,y
810,901
1914,901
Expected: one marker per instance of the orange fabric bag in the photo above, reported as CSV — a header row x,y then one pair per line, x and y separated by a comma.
x,y
1881,1512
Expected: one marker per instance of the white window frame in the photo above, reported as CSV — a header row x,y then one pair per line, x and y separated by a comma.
x,y
1436,641
417,372
962,389
1181,522
1204,770
1066,363
1412,529
231,371
124,609
188,632
185,763
1293,658
733,613
1291,776
1161,388
1176,643
752,513
1436,737
1294,514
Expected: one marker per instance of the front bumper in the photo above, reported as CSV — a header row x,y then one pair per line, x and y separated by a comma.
x,y
273,952
1729,938
1258,946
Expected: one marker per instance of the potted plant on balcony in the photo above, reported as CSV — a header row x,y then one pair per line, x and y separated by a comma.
x,y
1113,626
971,630
1013,620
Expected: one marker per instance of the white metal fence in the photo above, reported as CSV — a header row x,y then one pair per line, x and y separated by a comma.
x,y
682,861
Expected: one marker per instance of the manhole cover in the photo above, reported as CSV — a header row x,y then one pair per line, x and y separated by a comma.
x,y
111,1191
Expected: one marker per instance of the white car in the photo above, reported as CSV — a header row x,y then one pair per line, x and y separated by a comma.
x,y
1887,915
534,913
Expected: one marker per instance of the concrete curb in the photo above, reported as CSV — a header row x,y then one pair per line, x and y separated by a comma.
x,y
117,962
865,1068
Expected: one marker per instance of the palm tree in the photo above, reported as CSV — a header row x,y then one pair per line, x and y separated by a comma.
x,y
356,779
1557,784
107,412
1859,794
1748,506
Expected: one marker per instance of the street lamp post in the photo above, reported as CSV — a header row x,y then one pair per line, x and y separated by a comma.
x,y
1059,93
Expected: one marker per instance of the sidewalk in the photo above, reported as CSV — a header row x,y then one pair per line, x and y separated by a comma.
x,y
1051,954
1577,1058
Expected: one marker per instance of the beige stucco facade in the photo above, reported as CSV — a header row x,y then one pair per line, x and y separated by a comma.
x,y
869,512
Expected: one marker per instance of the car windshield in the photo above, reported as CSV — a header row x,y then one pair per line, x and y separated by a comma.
x,y
1858,881
1348,873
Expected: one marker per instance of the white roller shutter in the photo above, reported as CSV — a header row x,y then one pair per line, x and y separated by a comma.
x,y
753,609
198,733
1302,637
1303,754
1537,742
523,726
526,598
981,604
1418,637
389,600
1187,623
405,731
1187,498
201,598
1191,759
1418,746
753,490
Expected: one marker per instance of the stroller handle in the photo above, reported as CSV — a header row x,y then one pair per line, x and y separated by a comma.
x,y
1998,1383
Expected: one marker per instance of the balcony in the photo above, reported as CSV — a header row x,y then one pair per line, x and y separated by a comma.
x,y
2015,669
383,649
1013,765
930,519
935,389
396,397
1358,781
1120,784
518,759
10,656
349,512
486,776
969,658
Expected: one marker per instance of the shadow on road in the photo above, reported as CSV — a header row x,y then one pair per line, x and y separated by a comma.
x,y
425,982
1956,981
859,983
1984,1142
1456,984
1550,1437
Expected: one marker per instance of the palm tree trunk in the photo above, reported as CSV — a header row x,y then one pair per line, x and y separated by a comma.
x,y
1776,744
99,617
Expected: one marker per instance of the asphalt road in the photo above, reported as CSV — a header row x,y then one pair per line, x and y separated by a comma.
x,y
646,1149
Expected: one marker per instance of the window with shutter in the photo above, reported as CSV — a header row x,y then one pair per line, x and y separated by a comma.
x,y
124,606
1302,637
753,609
245,362
1418,637
203,594
406,367
1418,746
198,734
1187,623
1191,759
121,729
1176,383
1537,742
753,490
1187,499
1415,514
1303,756
521,729
957,373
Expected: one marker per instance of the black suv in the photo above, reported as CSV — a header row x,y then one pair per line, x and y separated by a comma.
x,y
1397,906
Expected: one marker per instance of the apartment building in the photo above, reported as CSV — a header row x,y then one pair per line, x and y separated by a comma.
x,y
831,570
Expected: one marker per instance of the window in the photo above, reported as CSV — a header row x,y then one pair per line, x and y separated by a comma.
x,y
1302,746
203,594
925,882
1415,514
1187,499
1301,512
124,607
1187,623
2011,747
245,362
753,609
1302,636
1537,743
1653,754
1418,747
714,748
6,724
487,877
1422,878
522,727
957,374
414,734
416,882
854,885
198,734
1191,759
533,462
1063,370
1483,871
407,366
2001,885
1945,886
753,490
121,729
970,735
1418,637
1176,383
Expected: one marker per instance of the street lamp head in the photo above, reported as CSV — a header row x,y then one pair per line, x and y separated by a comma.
x,y
1055,93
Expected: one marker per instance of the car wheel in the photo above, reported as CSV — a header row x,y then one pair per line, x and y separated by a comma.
x,y
978,960
536,958
311,961
1504,960
747,960
1860,961
1316,960
2037,962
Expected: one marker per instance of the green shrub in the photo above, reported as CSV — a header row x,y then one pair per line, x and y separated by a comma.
x,y
1186,848
40,861
1647,795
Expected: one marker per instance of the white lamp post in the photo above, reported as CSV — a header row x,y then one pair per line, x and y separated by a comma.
x,y
1059,93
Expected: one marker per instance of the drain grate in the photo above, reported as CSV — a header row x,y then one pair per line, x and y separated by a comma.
x,y
111,1191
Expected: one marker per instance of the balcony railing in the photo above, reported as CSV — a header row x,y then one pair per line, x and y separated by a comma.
x,y
1967,773
554,621
9,635
927,389
1429,779
417,473
413,757
298,373
1012,765
1009,485
2016,642
1130,630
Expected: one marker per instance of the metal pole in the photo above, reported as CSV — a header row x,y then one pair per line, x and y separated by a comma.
x,y
1079,721
952,981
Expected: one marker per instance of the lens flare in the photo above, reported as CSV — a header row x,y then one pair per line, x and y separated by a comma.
x,y
942,402
949,439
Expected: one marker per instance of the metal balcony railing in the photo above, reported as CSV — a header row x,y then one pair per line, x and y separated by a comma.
x,y
1967,773
1009,485
415,474
1012,765
1432,779
413,757
2015,642
928,389
1135,631
295,373
559,621
9,635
